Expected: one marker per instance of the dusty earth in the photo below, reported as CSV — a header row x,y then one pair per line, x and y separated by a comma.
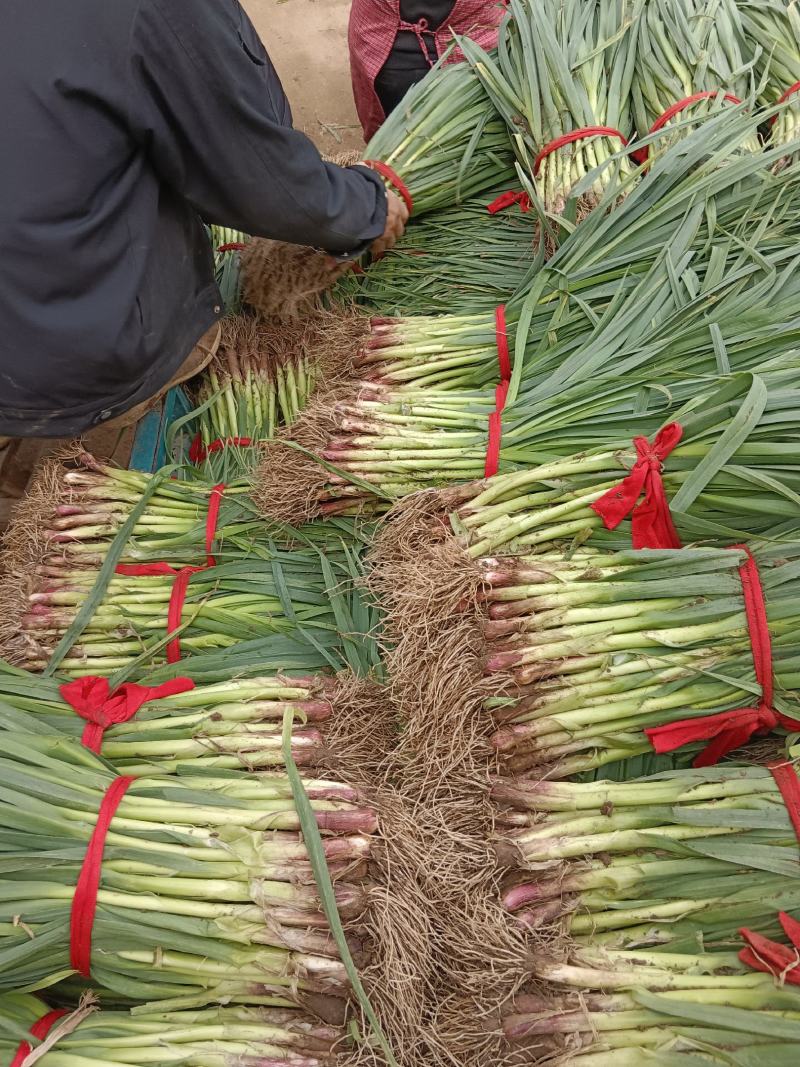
x,y
307,40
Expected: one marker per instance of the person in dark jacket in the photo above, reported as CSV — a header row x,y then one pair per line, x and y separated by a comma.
x,y
124,126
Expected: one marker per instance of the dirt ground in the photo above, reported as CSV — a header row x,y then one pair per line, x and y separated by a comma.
x,y
307,40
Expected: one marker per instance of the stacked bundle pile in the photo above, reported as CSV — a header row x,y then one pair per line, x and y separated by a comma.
x,y
773,31
112,573
562,81
676,889
692,57
603,571
610,339
206,892
270,1037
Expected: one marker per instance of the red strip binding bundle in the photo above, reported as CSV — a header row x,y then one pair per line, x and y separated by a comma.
x,y
199,453
643,155
576,135
651,521
501,393
507,200
394,179
783,98
731,729
39,1030
92,699
770,957
183,576
785,776
84,902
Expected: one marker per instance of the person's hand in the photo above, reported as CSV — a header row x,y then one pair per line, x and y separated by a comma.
x,y
336,268
396,219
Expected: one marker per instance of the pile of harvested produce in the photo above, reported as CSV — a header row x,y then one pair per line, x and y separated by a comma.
x,y
107,568
465,258
206,893
445,144
505,773
271,1037
677,890
562,78
611,337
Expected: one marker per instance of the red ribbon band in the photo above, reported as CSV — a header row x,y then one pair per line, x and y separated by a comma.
x,y
787,781
783,98
182,577
199,453
651,521
39,1030
84,901
500,393
643,154
91,697
232,246
394,179
731,729
506,200
576,135
770,957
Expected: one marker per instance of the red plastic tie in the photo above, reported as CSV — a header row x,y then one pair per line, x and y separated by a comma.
x,y
643,154
783,98
576,135
503,349
91,697
182,576
771,957
500,393
233,246
651,521
394,179
39,1030
787,781
199,453
84,902
731,729
507,200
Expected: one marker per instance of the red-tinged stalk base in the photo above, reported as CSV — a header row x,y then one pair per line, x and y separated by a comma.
x,y
26,548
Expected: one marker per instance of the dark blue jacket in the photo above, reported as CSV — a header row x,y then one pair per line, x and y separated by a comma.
x,y
124,123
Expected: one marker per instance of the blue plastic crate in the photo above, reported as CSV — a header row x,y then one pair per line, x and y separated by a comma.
x,y
149,452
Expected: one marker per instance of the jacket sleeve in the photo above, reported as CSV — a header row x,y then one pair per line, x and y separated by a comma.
x,y
208,107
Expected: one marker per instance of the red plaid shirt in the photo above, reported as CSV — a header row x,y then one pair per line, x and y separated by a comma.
x,y
374,25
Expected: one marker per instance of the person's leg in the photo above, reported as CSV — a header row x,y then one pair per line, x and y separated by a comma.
x,y
197,360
